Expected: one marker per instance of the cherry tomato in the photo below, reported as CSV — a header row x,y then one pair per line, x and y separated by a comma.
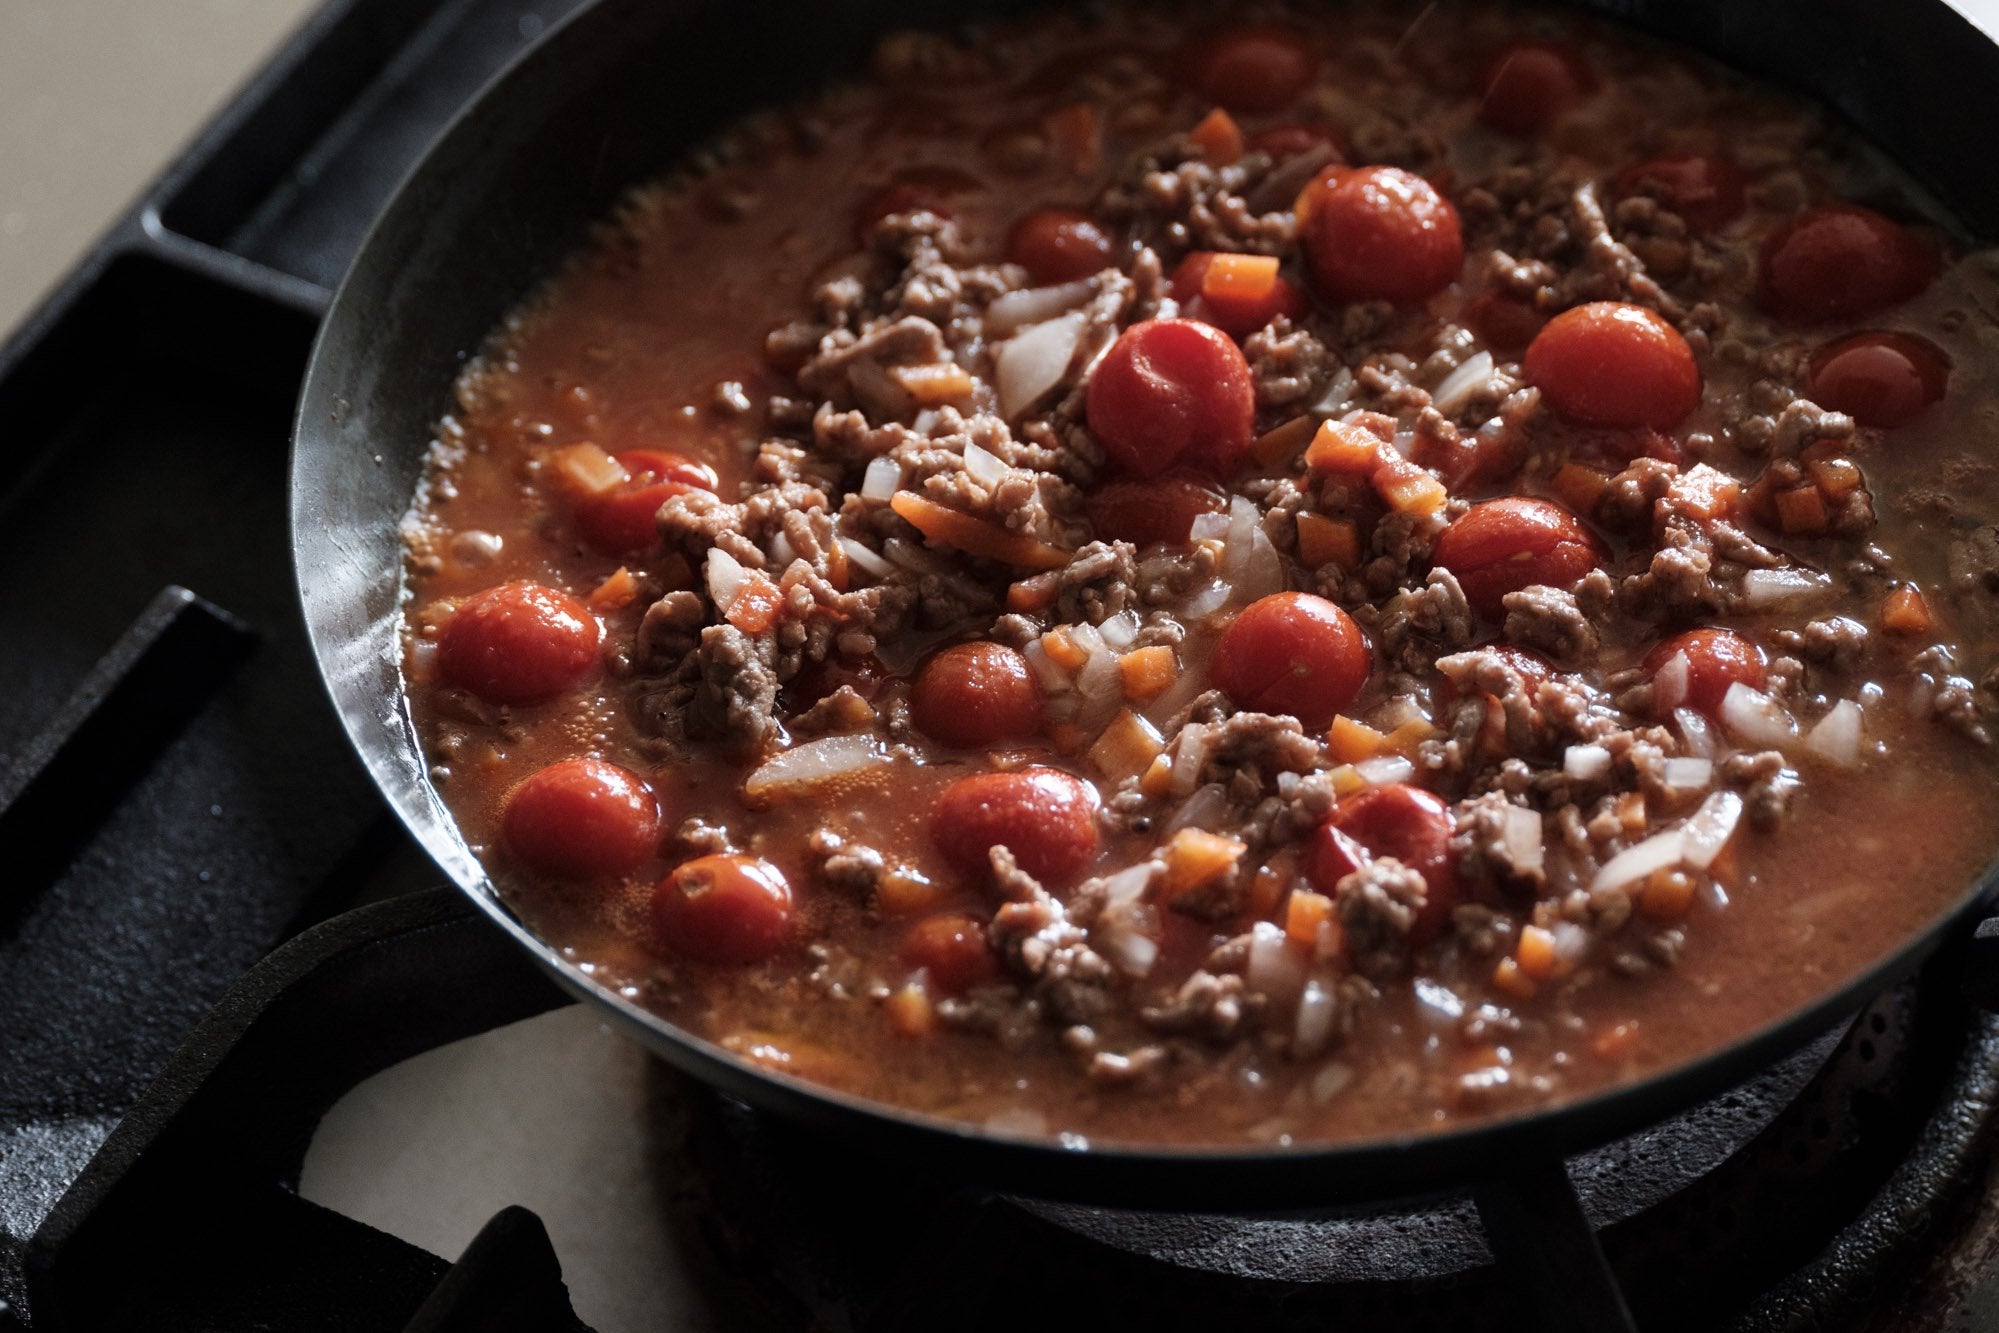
x,y
1151,511
1506,323
1707,192
1059,245
724,909
1380,233
1716,659
581,819
1292,652
1254,68
1840,261
622,520
1528,85
1879,378
518,643
1401,821
1047,819
1282,141
1173,391
953,949
1611,364
1237,316
973,694
1505,545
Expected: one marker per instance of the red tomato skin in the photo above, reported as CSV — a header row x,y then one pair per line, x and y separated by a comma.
x,y
1707,192
622,521
1254,68
519,643
1151,511
1292,652
581,819
724,909
971,695
1173,391
1398,820
1282,141
1381,233
1059,245
1879,377
1716,659
1236,317
1840,261
1505,545
1612,364
1529,85
1506,323
1046,818
954,950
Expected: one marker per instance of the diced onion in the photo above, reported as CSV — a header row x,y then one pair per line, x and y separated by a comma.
x,y
1442,1003
1334,399
1205,601
1034,361
1119,631
1128,885
1764,589
1836,736
1636,862
984,465
1101,681
1236,551
881,480
1754,718
1709,828
1458,386
1048,673
1398,712
781,552
1696,732
1263,571
812,763
1669,686
1686,774
1209,526
1383,769
1033,305
1203,810
1571,942
871,561
1330,1082
1314,1023
1129,951
1523,839
1586,763
1274,967
726,577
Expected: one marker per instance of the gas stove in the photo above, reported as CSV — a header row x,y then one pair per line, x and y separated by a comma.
x,y
261,1070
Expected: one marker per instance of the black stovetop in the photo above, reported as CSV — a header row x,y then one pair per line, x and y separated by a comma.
x,y
177,801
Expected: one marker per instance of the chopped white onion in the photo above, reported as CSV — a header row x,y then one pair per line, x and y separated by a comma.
x,y
1119,631
1522,834
1404,443
1766,589
1442,1003
1836,736
984,466
812,763
1101,681
1032,305
781,552
1571,942
1586,763
1636,862
1190,756
1313,1026
1129,884
1458,386
1129,951
1034,361
1263,571
1206,600
1754,718
1335,398
925,422
1384,769
871,561
1235,553
1669,685
1203,810
1048,673
1274,968
1208,527
1696,732
1330,1082
881,480
1687,774
726,577
1709,828
1399,712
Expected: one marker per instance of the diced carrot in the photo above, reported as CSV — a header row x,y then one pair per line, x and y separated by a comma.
x,y
619,590
1577,486
1218,137
1668,895
1707,492
1066,737
1034,594
1063,650
1127,746
1158,778
1536,953
1907,611
1233,277
974,536
1509,977
1304,913
585,470
1328,541
1196,858
1405,738
1726,869
1631,812
910,1012
1615,1042
1343,446
1266,888
1836,476
1352,741
1278,445
1146,672
936,384
1801,511
901,893
838,572
1347,780
1076,133
756,605
1408,489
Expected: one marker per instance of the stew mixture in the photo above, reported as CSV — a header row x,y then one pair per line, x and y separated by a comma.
x,y
1169,581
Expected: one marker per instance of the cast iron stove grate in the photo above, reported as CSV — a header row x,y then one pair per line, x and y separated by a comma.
x,y
176,800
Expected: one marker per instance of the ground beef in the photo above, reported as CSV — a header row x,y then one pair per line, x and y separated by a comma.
x,y
1039,944
841,863
1947,696
1377,907
1548,619
1423,624
735,701
1289,365
1483,851
1212,1007
1974,560
1768,786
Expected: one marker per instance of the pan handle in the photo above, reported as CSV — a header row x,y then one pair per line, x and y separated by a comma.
x,y
1544,1243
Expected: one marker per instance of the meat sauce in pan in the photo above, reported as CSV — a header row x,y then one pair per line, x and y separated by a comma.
x,y
1284,580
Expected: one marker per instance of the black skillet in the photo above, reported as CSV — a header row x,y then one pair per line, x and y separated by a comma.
x,y
609,100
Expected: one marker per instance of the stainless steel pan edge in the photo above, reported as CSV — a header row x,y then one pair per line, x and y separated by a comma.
x,y
611,98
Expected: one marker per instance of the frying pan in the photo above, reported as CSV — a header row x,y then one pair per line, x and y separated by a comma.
x,y
610,99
